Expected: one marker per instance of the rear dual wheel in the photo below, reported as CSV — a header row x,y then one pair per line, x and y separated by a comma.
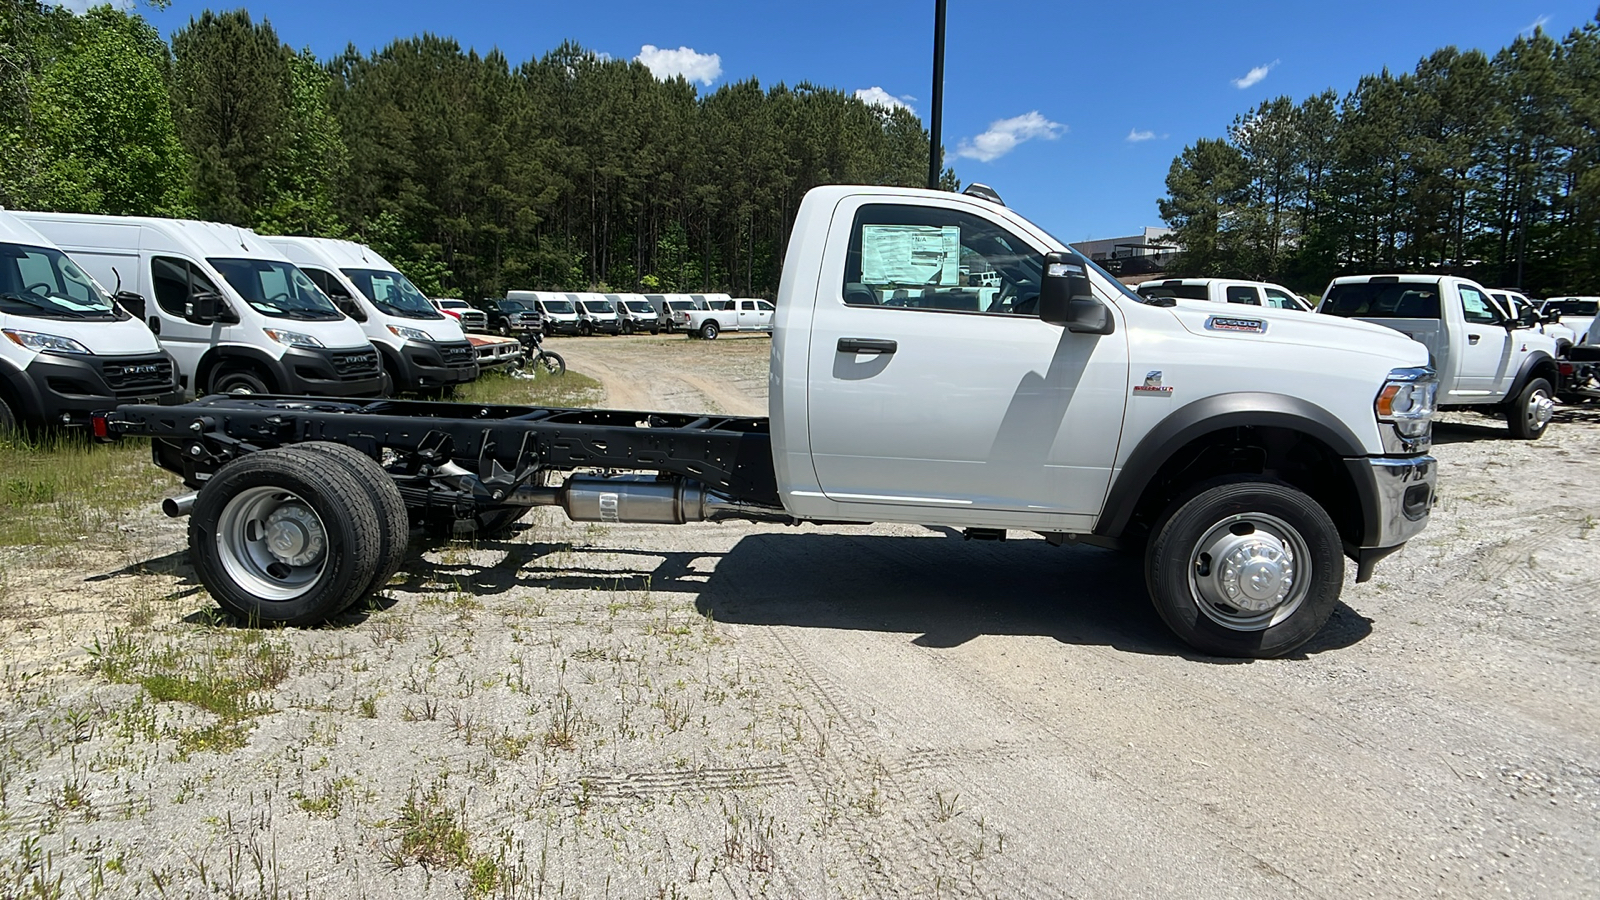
x,y
1529,415
295,535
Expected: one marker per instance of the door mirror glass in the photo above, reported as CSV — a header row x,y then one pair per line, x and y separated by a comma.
x,y
1066,297
133,303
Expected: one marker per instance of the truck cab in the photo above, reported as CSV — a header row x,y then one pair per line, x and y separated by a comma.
x,y
1485,358
68,348
1517,306
235,314
1225,290
420,348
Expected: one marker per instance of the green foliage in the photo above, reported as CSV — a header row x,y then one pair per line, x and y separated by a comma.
x,y
1471,164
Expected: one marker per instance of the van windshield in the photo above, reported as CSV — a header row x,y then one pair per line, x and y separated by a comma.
x,y
276,288
558,306
392,293
681,304
43,282
598,306
640,306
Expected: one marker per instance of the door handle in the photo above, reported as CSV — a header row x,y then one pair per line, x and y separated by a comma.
x,y
1473,338
155,325
866,345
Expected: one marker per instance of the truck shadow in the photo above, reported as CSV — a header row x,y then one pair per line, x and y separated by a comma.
x,y
947,592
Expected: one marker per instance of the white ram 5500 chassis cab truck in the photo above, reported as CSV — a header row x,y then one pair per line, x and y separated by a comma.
x,y
1247,453
1485,358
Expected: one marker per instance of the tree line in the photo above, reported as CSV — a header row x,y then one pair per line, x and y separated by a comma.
x,y
474,175
1471,164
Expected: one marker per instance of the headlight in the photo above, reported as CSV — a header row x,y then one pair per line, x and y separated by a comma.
x,y
410,334
46,343
292,338
1408,400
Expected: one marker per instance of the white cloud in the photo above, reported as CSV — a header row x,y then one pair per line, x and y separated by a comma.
x,y
877,96
1254,76
1538,23
1135,135
1004,135
664,64
82,6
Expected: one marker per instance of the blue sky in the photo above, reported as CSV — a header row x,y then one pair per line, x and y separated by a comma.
x,y
1072,111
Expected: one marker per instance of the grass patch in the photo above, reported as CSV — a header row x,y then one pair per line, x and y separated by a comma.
x,y
58,489
497,388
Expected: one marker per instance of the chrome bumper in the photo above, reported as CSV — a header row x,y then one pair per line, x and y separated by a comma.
x,y
1396,496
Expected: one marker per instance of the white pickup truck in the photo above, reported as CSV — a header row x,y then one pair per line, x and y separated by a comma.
x,y
1247,453
741,314
1225,290
1485,359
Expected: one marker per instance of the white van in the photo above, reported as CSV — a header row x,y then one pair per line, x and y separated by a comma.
x,y
68,349
237,315
419,346
601,314
561,315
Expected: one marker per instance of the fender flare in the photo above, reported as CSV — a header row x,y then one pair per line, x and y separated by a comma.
x,y
1537,362
255,358
17,387
1218,412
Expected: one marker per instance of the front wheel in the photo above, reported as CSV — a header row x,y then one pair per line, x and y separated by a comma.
x,y
8,418
238,381
550,363
1529,415
1245,569
710,330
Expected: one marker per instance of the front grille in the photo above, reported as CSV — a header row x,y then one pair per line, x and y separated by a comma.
x,y
474,319
458,354
136,376
356,364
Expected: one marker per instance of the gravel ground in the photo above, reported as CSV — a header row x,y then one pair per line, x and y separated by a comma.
x,y
752,711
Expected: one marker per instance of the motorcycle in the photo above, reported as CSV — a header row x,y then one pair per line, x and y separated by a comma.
x,y
536,360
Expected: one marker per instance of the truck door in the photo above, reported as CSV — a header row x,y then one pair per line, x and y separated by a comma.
x,y
173,280
939,400
1486,353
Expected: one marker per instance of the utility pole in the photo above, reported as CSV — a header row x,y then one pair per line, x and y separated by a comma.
x,y
935,157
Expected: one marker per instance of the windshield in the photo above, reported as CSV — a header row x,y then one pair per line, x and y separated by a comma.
x,y
39,281
1383,300
276,288
558,307
681,304
598,306
392,293
640,306
1575,307
514,306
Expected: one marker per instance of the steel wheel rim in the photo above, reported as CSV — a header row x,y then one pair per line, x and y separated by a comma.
x,y
272,543
1249,572
1541,409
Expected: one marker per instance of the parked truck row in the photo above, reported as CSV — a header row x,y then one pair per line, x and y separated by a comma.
x,y
1246,453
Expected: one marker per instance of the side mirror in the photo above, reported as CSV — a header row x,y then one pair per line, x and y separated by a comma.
x,y
1066,297
351,308
133,303
1551,317
1530,319
201,307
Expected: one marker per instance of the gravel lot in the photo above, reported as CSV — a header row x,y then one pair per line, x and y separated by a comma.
x,y
753,711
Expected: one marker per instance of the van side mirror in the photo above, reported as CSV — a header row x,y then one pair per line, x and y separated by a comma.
x,y
202,307
350,307
1066,297
133,303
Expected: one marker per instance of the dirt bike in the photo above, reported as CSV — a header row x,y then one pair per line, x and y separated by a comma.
x,y
536,360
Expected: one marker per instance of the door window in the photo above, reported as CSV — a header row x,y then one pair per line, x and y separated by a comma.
x,y
329,284
1281,299
1245,294
939,259
1476,308
764,306
176,280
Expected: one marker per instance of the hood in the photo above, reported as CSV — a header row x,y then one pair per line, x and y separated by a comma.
x,y
103,337
1291,327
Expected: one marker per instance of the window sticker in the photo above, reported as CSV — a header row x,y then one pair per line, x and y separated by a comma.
x,y
911,254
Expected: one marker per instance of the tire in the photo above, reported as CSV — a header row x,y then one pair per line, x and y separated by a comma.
x,y
1271,530
1529,415
550,363
585,329
8,418
238,381
304,492
710,330
1563,349
393,523
503,329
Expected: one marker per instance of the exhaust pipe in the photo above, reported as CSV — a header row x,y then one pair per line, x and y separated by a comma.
x,y
641,499
180,506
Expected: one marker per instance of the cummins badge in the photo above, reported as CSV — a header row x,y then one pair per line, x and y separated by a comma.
x,y
1152,385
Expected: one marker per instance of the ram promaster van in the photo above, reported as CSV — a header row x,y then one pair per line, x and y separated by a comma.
x,y
68,349
419,347
236,315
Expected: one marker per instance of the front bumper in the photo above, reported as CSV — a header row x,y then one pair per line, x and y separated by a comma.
x,y
1396,497
67,389
561,326
438,364
607,326
326,372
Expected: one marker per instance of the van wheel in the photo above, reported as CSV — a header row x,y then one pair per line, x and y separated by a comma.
x,y
394,525
8,418
285,537
1529,415
709,331
238,381
1245,568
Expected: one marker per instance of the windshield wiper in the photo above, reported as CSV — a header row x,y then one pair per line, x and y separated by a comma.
x,y
44,306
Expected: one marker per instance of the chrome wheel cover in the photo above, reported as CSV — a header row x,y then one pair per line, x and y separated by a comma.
x,y
272,543
1249,572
